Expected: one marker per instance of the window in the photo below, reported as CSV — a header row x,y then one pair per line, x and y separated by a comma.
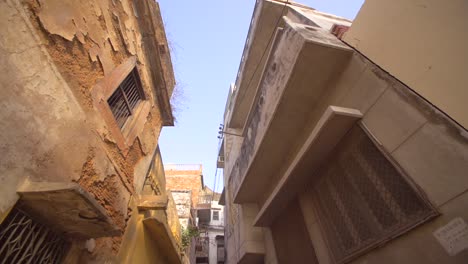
x,y
126,97
362,200
22,240
120,99
215,215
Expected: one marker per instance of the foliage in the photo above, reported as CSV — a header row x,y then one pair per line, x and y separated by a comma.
x,y
187,234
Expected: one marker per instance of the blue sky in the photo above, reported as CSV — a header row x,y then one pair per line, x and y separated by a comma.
x,y
206,40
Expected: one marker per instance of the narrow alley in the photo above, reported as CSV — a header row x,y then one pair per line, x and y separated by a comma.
x,y
341,133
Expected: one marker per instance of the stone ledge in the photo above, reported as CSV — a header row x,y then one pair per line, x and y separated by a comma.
x,y
66,207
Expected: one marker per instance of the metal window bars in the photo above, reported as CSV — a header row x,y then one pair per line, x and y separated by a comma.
x,y
126,97
362,200
22,240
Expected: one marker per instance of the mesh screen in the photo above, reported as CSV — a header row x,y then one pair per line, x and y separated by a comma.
x,y
362,199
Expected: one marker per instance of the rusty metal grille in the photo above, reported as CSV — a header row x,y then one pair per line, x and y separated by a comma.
x,y
22,240
126,97
362,200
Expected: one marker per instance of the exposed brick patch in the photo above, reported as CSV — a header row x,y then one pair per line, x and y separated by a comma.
x,y
106,192
339,30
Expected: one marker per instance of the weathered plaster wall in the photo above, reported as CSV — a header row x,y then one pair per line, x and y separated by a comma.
x,y
52,55
231,227
44,134
279,68
183,202
434,63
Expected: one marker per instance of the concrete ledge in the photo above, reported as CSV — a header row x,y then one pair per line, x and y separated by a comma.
x,y
152,202
66,207
332,126
252,258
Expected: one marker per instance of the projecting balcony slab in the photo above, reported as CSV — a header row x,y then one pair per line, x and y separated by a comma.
x,y
330,129
68,208
161,232
299,70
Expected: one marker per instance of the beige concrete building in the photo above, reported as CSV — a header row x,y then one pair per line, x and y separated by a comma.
x,y
349,146
85,91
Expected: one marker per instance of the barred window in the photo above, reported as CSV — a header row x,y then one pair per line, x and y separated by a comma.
x,y
23,240
126,97
362,200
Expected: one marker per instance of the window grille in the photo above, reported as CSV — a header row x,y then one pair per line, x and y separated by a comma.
x,y
126,97
215,215
22,240
362,200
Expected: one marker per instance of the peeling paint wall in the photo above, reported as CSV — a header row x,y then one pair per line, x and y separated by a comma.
x,y
52,54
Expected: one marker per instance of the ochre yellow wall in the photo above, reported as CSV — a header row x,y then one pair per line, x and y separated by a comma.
x,y
422,43
139,246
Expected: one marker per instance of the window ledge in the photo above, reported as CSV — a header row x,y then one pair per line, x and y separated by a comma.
x,y
332,126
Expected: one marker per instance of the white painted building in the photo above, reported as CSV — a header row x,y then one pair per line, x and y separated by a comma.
x,y
211,226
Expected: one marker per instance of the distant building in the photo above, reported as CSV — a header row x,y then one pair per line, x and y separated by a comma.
x,y
348,143
211,225
198,207
185,181
85,93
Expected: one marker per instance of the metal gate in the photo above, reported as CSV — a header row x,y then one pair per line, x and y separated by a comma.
x,y
22,240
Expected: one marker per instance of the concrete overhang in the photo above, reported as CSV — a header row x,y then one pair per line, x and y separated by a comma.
x,y
332,126
68,208
304,64
222,198
264,21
